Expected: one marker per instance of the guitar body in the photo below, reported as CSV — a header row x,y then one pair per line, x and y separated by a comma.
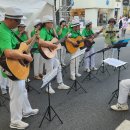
x,y
17,70
71,48
48,53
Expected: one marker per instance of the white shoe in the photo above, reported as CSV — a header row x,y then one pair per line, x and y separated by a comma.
x,y
94,68
63,64
32,113
51,91
72,77
4,91
87,69
19,125
78,75
120,107
63,86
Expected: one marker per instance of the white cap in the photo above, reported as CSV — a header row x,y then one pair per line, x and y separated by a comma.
x,y
75,22
36,22
13,13
88,22
47,19
22,24
62,19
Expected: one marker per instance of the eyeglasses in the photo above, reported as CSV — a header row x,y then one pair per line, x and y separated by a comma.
x,y
18,20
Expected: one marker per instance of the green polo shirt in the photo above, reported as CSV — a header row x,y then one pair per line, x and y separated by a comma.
x,y
75,34
35,44
23,37
63,33
45,34
87,32
7,39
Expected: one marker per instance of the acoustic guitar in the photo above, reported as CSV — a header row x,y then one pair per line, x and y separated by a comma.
x,y
18,69
90,40
73,48
48,53
80,41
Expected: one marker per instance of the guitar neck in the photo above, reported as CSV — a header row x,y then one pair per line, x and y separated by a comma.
x,y
31,44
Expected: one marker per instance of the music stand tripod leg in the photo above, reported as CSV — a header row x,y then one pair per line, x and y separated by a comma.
x,y
90,74
48,113
76,83
29,86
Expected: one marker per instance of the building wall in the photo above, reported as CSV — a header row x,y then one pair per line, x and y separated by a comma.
x,y
92,8
93,4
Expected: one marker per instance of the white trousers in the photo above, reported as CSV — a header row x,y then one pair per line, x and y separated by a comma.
x,y
19,102
3,82
87,60
123,91
51,64
63,54
74,64
38,64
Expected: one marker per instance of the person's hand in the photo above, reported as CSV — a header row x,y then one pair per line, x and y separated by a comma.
x,y
21,32
52,46
28,57
75,44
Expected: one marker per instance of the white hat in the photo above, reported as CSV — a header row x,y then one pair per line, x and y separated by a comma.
x,y
22,24
13,13
88,22
75,22
36,22
62,19
47,19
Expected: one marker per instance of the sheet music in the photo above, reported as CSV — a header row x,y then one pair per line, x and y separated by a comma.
x,y
80,53
114,62
48,77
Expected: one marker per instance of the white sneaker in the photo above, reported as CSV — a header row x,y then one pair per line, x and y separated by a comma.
x,y
120,107
51,91
72,77
78,75
94,68
19,125
32,113
63,86
88,70
63,64
4,91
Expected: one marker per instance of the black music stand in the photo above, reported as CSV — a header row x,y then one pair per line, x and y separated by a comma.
x,y
118,45
3,98
118,64
48,113
90,75
76,83
102,67
28,86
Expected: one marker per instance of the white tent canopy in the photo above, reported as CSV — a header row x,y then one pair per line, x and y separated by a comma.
x,y
32,9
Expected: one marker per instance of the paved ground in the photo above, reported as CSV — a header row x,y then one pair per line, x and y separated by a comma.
x,y
79,110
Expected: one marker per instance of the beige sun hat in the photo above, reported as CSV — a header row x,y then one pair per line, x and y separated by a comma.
x,y
22,24
36,22
88,22
47,18
13,13
75,22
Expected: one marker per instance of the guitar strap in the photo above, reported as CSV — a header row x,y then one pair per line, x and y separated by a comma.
x,y
20,40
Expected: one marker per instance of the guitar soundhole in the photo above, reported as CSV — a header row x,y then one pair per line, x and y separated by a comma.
x,y
24,62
